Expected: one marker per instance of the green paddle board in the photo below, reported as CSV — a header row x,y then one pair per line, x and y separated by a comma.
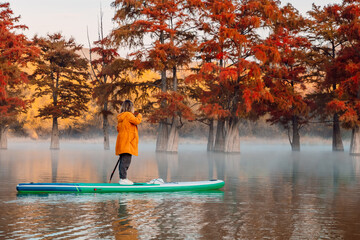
x,y
116,187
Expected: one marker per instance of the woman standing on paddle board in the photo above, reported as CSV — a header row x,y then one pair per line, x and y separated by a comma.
x,y
127,138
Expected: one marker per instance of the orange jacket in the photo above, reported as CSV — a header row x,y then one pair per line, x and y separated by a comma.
x,y
128,137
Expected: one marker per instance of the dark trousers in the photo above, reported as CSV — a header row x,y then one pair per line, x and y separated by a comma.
x,y
125,160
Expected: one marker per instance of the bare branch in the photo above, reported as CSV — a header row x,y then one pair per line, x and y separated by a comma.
x,y
90,57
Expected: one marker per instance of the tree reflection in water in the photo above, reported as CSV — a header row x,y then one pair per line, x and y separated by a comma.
x,y
270,192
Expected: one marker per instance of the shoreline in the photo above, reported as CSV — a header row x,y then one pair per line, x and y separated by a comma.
x,y
183,140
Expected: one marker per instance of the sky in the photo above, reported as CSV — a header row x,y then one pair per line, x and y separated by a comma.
x,y
73,17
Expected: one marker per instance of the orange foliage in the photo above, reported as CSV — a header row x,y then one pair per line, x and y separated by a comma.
x,y
346,66
16,52
230,76
172,104
286,79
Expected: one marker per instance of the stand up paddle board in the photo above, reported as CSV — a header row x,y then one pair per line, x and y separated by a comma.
x,y
116,187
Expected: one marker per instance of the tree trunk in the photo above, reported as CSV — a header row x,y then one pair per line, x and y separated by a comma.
x,y
295,143
232,138
173,137
173,134
106,132
55,135
211,137
175,80
162,137
355,142
3,137
337,144
220,136
106,128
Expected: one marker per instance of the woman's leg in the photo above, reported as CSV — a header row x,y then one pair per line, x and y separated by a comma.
x,y
125,160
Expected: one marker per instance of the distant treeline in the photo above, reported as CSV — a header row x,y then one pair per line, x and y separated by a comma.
x,y
194,130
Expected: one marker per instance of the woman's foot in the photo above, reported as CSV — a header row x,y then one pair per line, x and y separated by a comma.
x,y
125,182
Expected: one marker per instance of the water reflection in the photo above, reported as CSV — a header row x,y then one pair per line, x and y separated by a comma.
x,y
356,165
269,193
74,198
128,215
217,163
167,163
54,165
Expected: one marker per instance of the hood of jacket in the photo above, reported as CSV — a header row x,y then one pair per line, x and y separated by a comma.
x,y
122,116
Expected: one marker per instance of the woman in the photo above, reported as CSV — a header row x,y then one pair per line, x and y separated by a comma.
x,y
127,138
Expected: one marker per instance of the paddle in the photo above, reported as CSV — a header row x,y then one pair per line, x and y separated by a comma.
x,y
114,170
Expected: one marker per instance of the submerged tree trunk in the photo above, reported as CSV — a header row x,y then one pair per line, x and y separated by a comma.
x,y
3,137
173,137
295,143
355,141
55,135
227,136
106,132
106,128
168,133
173,134
220,136
168,136
232,138
355,136
337,144
211,137
162,137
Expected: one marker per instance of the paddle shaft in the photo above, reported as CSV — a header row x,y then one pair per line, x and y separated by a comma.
x,y
114,170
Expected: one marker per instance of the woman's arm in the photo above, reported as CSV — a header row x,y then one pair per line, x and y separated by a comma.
x,y
135,120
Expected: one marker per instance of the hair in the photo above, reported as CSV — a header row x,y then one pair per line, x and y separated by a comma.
x,y
127,106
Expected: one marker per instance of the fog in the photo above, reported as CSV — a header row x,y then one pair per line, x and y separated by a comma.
x,y
270,192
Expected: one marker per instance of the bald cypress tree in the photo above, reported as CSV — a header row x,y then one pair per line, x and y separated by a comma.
x,y
15,52
62,75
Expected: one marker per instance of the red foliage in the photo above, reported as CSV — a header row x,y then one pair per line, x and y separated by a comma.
x,y
109,75
172,44
107,52
172,105
16,51
61,74
230,77
346,67
286,78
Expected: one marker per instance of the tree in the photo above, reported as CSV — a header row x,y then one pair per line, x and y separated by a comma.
x,y
201,86
109,79
209,94
346,69
171,39
286,79
16,51
61,74
327,42
232,55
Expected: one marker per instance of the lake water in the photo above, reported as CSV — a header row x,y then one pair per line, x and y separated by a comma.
x,y
270,193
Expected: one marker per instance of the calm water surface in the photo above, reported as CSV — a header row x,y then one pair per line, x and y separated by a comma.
x,y
270,193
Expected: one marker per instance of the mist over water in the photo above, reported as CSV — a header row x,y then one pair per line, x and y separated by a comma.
x,y
270,192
